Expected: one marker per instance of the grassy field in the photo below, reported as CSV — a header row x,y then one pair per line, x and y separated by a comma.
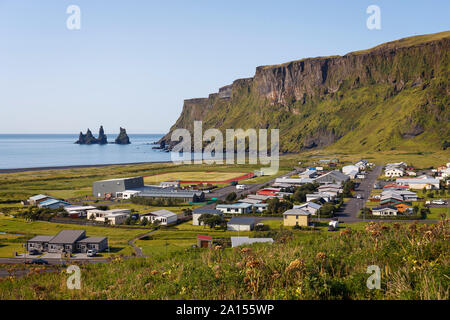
x,y
193,176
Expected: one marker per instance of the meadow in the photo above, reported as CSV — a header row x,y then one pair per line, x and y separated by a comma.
x,y
413,260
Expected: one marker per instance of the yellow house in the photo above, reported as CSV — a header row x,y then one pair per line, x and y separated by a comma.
x,y
296,217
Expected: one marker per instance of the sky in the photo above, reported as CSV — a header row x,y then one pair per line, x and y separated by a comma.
x,y
132,63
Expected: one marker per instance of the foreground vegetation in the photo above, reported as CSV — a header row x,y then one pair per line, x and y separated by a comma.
x,y
414,263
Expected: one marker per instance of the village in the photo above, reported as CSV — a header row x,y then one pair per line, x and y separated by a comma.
x,y
234,212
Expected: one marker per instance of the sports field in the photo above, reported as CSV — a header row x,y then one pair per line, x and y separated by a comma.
x,y
194,176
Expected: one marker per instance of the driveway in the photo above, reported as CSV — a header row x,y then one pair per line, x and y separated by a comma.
x,y
50,255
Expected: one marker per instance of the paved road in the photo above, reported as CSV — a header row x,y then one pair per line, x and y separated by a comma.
x,y
352,207
54,261
138,250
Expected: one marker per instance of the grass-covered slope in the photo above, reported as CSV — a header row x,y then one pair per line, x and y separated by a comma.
x,y
393,96
413,259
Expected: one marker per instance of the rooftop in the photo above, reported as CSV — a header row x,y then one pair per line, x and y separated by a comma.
x,y
239,205
92,240
242,220
67,236
297,212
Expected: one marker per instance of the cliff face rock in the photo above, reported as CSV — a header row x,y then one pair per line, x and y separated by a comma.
x,y
88,138
373,99
122,138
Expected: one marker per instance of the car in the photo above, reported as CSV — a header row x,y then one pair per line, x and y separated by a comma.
x,y
439,202
91,253
358,196
241,187
33,252
37,261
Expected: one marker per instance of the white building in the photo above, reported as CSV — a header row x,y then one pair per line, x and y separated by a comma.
x,y
238,208
419,183
165,217
394,172
385,211
113,217
197,213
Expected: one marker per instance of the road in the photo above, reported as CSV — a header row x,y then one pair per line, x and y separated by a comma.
x,y
136,248
352,207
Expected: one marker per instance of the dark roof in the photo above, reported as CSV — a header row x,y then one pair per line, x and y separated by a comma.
x,y
68,236
92,240
242,220
210,211
41,239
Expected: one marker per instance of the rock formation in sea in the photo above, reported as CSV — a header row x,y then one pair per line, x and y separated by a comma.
x,y
89,138
122,138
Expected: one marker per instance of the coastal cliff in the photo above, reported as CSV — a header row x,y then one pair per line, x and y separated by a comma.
x,y
395,95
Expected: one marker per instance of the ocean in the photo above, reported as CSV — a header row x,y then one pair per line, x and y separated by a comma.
x,y
49,150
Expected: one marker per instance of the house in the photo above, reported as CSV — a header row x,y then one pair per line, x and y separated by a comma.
x,y
310,207
385,211
113,217
350,169
239,241
251,201
411,173
259,197
204,241
260,207
394,172
391,200
241,224
403,208
334,176
292,181
68,241
239,208
104,188
405,195
165,217
327,196
78,211
419,183
53,204
35,200
296,217
362,164
197,213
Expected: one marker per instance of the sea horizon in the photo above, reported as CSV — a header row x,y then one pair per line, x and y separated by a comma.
x,y
27,150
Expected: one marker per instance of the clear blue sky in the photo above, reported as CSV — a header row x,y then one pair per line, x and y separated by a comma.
x,y
134,62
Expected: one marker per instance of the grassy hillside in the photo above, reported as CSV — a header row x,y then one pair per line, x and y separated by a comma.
x,y
393,96
413,259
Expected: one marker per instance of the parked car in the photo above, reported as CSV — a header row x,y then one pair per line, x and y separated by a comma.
x,y
241,187
33,252
91,253
37,261
358,196
439,202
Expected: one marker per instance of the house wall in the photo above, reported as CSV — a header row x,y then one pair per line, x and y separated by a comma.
x,y
292,220
239,227
40,246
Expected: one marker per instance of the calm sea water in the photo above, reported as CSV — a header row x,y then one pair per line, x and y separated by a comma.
x,y
46,150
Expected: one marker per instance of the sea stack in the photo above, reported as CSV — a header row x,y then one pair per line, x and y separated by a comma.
x,y
89,138
122,138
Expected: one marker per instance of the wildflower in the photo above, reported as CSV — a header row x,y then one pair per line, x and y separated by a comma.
x,y
246,250
321,256
154,272
217,248
297,264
